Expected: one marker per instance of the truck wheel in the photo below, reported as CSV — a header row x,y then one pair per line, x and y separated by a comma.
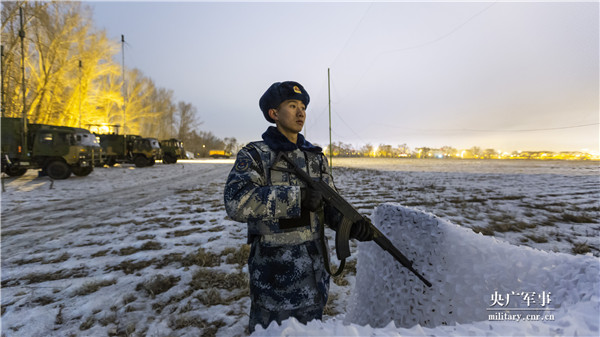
x,y
167,158
171,159
82,171
111,161
151,162
140,161
15,171
58,170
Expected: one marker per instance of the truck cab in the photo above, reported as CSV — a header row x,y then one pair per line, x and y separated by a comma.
x,y
145,151
92,143
57,150
60,150
172,150
132,149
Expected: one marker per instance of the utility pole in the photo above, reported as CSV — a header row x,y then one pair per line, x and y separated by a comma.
x,y
330,145
23,89
124,86
80,96
2,67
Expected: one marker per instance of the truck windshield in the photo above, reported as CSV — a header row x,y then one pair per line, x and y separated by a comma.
x,y
87,139
155,144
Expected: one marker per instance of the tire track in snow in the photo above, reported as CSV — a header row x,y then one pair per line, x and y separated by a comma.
x,y
26,226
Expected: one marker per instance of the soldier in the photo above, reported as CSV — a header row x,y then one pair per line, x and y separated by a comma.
x,y
286,264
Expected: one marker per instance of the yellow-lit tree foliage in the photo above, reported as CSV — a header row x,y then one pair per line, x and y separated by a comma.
x,y
71,76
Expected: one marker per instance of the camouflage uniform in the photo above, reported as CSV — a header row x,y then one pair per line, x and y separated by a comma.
x,y
287,274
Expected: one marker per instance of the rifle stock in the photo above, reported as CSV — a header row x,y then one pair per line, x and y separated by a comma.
x,y
350,216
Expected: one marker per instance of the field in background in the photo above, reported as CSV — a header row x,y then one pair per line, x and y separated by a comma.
x,y
151,251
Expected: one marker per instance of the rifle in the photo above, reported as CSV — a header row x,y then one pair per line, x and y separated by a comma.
x,y
349,216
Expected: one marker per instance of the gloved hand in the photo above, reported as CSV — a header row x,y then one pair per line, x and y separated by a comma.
x,y
310,199
361,230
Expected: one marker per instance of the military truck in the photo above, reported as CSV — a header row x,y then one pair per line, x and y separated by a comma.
x,y
57,150
132,149
172,149
93,142
84,137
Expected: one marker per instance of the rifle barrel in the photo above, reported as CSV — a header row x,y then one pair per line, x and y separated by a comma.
x,y
351,215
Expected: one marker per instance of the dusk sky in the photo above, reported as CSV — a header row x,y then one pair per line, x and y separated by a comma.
x,y
503,75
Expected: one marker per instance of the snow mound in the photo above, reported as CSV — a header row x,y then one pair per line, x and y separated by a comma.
x,y
481,286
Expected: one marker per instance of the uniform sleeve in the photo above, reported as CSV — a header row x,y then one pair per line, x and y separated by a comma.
x,y
247,196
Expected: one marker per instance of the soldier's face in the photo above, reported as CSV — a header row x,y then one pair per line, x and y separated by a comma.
x,y
290,116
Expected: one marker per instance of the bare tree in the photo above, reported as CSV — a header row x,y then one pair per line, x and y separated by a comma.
x,y
59,38
403,149
231,144
11,59
58,29
138,111
72,78
186,120
367,149
200,143
476,151
166,109
98,92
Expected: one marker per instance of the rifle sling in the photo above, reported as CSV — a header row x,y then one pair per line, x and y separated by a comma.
x,y
325,248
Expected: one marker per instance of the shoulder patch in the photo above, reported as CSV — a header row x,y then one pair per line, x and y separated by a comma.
x,y
243,164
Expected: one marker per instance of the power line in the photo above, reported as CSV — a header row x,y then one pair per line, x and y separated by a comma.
x,y
452,31
353,32
493,130
533,130
417,46
349,128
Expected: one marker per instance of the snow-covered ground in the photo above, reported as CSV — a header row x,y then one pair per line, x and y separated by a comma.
x,y
151,252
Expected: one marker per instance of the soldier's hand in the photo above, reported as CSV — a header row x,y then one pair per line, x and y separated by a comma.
x,y
361,230
310,199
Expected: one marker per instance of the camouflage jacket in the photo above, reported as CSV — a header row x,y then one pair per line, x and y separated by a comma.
x,y
268,199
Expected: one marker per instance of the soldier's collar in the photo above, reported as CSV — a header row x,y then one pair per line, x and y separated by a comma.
x,y
278,142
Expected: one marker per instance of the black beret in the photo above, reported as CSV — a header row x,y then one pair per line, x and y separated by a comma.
x,y
279,92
